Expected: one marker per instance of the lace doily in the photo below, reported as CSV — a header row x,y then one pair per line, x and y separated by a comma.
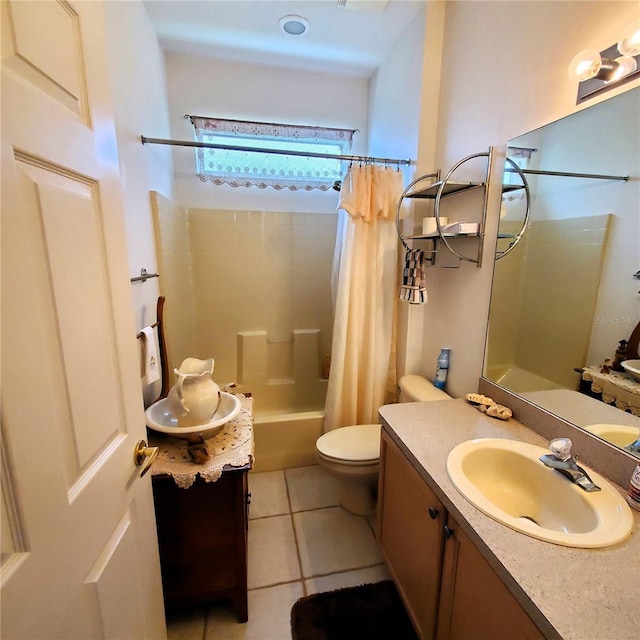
x,y
232,446
616,388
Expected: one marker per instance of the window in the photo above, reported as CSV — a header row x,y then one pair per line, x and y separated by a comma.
x,y
521,156
280,171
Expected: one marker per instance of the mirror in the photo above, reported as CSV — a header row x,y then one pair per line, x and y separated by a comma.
x,y
568,293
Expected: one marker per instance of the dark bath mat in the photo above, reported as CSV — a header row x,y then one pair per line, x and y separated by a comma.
x,y
371,611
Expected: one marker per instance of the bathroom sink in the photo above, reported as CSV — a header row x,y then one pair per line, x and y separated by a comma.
x,y
619,434
506,481
160,418
632,367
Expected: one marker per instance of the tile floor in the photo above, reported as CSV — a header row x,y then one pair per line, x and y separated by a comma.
x,y
300,542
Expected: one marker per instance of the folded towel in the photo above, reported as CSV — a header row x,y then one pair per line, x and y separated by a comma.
x,y
151,364
413,278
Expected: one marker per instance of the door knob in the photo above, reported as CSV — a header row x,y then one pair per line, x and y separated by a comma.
x,y
144,455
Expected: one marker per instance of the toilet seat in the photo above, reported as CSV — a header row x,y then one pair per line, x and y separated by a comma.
x,y
355,445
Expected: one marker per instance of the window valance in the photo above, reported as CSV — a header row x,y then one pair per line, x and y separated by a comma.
x,y
262,169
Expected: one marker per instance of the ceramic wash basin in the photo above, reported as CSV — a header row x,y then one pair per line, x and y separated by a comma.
x,y
160,418
506,480
619,434
632,367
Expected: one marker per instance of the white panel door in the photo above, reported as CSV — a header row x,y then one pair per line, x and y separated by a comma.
x,y
79,549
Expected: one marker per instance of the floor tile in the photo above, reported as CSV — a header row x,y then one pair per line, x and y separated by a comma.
x,y
268,494
333,540
272,552
269,616
312,488
347,579
188,625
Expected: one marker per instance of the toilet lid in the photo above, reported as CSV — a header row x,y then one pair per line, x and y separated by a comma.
x,y
359,443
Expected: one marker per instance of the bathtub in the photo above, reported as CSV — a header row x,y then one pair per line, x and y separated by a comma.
x,y
286,440
520,380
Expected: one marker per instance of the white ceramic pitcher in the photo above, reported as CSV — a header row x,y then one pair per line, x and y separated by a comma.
x,y
195,397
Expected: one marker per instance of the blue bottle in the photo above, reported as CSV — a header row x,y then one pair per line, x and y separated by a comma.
x,y
442,369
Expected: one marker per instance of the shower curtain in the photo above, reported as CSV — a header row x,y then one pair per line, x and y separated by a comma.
x,y
364,280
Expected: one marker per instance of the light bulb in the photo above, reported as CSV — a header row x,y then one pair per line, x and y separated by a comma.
x,y
626,65
629,43
585,65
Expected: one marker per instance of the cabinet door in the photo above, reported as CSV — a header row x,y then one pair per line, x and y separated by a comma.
x,y
202,535
411,536
474,602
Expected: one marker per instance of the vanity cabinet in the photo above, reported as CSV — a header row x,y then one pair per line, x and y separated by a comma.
x,y
449,590
410,531
474,602
202,537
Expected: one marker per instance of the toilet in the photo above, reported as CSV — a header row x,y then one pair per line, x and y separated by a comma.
x,y
352,454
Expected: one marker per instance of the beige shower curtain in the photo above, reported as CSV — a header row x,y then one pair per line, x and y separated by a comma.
x,y
364,296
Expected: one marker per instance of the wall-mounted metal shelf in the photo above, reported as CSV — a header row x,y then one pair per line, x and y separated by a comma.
x,y
448,189
442,189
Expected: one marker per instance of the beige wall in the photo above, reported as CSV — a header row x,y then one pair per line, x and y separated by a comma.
x,y
140,107
541,319
265,271
171,228
204,86
504,72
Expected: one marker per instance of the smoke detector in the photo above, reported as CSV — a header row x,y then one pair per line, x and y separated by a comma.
x,y
294,25
363,5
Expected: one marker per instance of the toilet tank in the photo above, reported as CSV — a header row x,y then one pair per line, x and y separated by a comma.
x,y
415,388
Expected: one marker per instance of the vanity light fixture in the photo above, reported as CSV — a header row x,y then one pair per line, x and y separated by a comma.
x,y
294,25
597,72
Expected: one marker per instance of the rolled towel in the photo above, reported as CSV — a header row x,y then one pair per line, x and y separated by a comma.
x,y
414,288
151,364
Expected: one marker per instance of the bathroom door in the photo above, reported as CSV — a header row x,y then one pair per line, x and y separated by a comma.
x,y
79,549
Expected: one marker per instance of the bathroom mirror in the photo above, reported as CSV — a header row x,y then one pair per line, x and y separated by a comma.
x,y
569,291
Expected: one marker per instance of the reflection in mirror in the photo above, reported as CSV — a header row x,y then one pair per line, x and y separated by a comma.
x,y
566,296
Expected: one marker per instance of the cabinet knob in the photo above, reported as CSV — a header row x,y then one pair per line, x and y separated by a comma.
x,y
433,513
447,532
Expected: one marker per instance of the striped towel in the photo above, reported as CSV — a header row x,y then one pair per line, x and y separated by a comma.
x,y
413,278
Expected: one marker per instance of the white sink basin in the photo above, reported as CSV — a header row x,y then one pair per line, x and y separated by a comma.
x,y
619,434
160,418
506,481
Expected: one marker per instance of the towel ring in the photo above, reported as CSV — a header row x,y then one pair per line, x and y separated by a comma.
x,y
527,211
485,154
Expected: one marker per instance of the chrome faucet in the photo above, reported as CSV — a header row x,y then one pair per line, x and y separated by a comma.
x,y
634,447
561,460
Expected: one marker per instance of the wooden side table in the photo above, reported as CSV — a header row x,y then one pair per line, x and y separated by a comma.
x,y
202,535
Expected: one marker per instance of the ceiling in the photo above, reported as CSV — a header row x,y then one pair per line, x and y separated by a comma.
x,y
350,37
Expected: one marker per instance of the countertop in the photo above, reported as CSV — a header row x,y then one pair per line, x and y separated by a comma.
x,y
575,594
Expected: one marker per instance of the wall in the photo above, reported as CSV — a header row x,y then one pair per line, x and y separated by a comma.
x,y
261,258
503,73
395,98
140,98
579,142
171,227
231,89
396,103
266,275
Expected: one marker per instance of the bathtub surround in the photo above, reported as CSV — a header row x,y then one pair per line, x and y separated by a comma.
x,y
252,290
364,299
560,261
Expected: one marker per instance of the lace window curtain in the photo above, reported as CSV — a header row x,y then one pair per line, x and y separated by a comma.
x,y
279,171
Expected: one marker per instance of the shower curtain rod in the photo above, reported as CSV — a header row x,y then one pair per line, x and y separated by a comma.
x,y
307,154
